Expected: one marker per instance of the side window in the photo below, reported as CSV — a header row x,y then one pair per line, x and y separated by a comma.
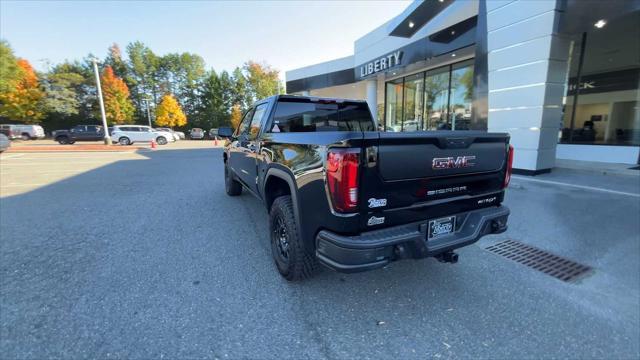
x,y
244,124
92,128
80,128
256,121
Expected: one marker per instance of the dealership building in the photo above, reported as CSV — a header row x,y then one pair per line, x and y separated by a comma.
x,y
562,77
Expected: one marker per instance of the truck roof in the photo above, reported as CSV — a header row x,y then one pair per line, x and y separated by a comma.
x,y
311,98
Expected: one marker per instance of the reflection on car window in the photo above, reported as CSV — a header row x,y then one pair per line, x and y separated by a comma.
x,y
244,125
256,121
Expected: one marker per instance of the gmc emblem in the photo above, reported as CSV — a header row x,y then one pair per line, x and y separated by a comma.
x,y
452,163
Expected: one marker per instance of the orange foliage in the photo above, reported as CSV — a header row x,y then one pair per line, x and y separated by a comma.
x,y
115,93
23,102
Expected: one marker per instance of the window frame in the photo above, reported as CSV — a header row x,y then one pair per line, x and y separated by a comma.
x,y
448,69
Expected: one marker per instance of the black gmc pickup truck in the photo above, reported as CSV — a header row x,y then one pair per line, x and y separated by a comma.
x,y
341,194
78,133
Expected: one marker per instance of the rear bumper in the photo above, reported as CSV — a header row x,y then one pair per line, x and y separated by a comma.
x,y
377,248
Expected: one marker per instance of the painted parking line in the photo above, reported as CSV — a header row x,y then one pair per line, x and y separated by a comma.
x,y
21,185
583,187
49,164
11,156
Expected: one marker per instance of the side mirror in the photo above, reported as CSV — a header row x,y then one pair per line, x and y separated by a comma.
x,y
225,132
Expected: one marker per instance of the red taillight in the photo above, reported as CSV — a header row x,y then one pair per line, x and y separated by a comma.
x,y
507,175
342,178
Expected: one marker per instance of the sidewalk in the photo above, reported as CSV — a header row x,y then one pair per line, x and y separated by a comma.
x,y
597,167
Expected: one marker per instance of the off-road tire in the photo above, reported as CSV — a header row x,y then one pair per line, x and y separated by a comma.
x,y
300,264
231,185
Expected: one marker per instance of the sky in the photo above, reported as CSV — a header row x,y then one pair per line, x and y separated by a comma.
x,y
285,34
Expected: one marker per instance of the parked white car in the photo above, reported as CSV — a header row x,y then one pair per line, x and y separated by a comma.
x,y
24,132
129,134
176,137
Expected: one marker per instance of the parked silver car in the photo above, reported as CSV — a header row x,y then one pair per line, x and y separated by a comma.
x,y
196,134
24,132
176,136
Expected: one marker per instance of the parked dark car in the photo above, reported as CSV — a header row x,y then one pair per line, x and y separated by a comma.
x,y
351,198
78,133
5,143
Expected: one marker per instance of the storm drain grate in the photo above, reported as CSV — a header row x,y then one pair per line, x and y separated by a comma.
x,y
544,261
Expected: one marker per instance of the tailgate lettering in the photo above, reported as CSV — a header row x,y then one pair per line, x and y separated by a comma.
x,y
452,163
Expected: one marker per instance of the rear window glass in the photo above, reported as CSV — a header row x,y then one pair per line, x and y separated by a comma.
x,y
310,116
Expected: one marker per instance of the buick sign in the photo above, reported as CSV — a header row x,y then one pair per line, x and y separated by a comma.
x,y
381,64
452,163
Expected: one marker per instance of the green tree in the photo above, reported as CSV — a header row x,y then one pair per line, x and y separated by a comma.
x,y
211,109
142,74
62,91
10,73
190,77
240,90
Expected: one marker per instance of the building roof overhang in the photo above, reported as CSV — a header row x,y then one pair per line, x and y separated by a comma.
x,y
415,17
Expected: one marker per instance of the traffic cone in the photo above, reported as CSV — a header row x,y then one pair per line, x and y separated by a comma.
x,y
153,144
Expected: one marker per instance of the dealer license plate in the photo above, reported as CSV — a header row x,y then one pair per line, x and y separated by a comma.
x,y
441,227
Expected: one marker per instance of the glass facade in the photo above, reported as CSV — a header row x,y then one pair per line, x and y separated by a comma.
x,y
438,99
602,99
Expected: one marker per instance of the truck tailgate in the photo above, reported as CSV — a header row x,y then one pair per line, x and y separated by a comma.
x,y
423,175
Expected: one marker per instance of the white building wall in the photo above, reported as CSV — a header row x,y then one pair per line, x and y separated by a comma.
x,y
527,72
320,68
378,42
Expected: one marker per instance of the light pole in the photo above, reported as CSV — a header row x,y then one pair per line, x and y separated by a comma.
x,y
148,112
107,138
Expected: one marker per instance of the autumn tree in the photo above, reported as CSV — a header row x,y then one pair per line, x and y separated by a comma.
x,y
262,80
236,116
117,63
115,92
21,99
169,113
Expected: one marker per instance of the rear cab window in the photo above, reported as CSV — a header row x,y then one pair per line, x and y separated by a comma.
x,y
306,115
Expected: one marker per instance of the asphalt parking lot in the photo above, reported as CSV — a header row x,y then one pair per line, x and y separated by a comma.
x,y
142,255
